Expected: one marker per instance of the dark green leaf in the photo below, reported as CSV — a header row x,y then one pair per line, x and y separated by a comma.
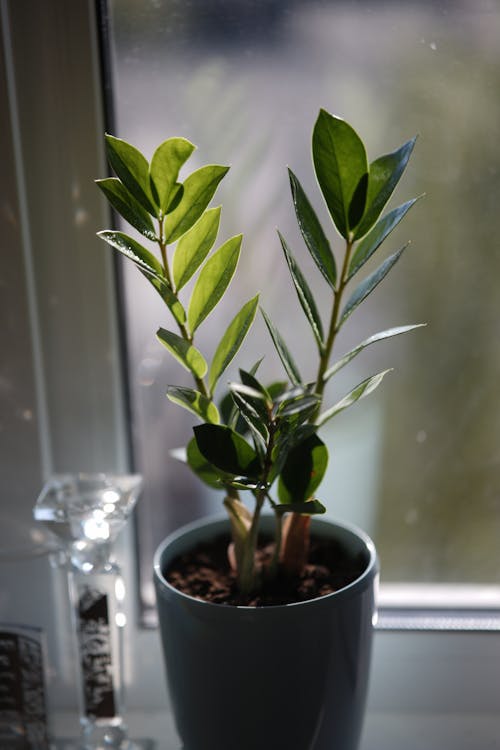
x,y
199,189
175,196
309,508
201,467
298,405
184,352
304,294
133,170
226,450
213,280
312,232
232,340
303,471
378,234
360,391
165,165
368,285
126,205
384,174
340,163
195,402
249,379
194,246
358,202
285,356
254,419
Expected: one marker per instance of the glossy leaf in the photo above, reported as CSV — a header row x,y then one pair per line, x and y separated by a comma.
x,y
226,450
382,229
213,280
360,391
201,467
232,340
194,246
135,252
283,352
199,189
195,402
133,170
340,162
126,205
299,405
385,173
389,333
164,170
303,470
304,294
358,202
248,408
312,232
184,352
308,508
369,284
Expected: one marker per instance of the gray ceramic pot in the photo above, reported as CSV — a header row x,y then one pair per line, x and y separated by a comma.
x,y
290,677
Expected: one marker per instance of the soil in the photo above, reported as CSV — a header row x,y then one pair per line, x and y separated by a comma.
x,y
205,573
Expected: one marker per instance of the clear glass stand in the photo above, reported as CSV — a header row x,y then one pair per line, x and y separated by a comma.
x,y
86,513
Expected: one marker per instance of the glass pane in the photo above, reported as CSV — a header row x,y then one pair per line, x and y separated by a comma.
x,y
417,464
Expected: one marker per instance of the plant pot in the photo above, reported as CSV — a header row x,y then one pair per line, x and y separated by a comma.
x,y
291,677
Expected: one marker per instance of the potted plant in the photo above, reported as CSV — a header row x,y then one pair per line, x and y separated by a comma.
x,y
266,619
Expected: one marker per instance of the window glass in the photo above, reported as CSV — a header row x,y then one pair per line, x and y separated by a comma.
x,y
417,464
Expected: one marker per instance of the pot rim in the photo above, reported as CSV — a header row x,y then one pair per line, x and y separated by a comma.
x,y
163,587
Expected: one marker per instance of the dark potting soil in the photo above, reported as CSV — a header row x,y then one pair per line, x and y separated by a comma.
x,y
204,573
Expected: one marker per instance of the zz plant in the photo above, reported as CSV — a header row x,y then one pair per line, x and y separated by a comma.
x,y
260,439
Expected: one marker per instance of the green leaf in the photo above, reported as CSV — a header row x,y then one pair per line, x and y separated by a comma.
x,y
285,356
232,340
309,508
201,467
195,402
358,202
226,450
213,281
389,333
165,165
368,285
304,294
303,471
126,205
257,423
133,170
360,391
378,234
300,405
312,232
194,246
384,174
184,352
340,163
133,250
199,189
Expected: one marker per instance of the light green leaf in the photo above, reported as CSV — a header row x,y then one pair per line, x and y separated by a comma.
x,y
389,333
384,174
304,294
165,165
283,352
126,205
184,352
226,450
133,170
360,391
340,162
201,467
213,280
195,402
303,471
368,285
199,189
133,250
232,340
312,232
194,246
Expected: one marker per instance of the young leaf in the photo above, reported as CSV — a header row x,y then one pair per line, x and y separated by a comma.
x,y
201,467
389,333
385,173
340,162
312,232
360,391
199,189
195,402
226,450
310,508
194,246
165,165
184,352
304,294
133,250
303,470
213,281
133,170
285,356
372,241
126,205
232,340
368,285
